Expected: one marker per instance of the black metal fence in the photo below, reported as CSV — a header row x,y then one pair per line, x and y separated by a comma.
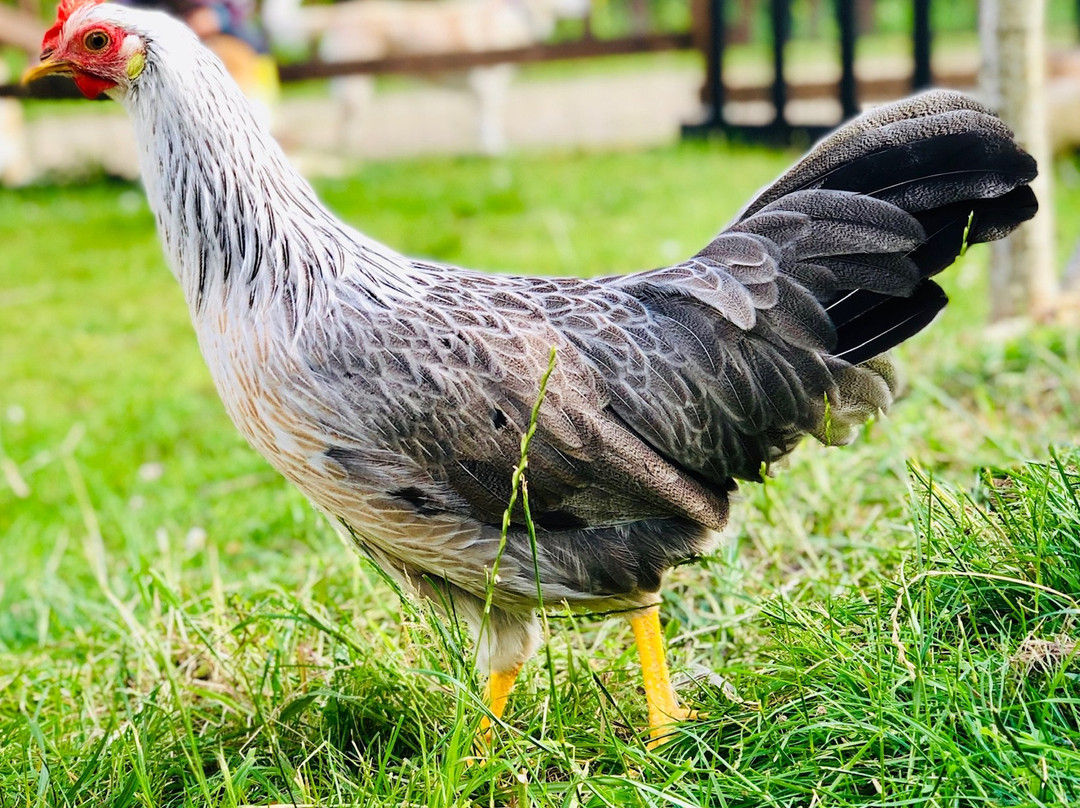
x,y
846,91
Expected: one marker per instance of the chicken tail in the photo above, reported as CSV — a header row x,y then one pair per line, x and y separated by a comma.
x,y
893,198
790,310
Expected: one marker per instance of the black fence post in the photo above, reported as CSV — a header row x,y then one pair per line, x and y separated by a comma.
x,y
922,77
849,91
715,60
781,27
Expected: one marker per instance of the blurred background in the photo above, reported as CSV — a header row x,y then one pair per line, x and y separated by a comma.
x,y
533,73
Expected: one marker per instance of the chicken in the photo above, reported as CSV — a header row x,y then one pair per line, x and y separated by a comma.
x,y
394,392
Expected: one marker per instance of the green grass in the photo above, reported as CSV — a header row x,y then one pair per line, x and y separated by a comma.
x,y
178,628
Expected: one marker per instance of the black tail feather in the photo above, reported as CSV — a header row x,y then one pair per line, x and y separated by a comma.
x,y
950,227
874,323
940,159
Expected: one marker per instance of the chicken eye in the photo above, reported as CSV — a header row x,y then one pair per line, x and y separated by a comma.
x,y
96,41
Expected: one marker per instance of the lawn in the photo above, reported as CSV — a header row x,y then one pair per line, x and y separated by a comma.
x,y
891,624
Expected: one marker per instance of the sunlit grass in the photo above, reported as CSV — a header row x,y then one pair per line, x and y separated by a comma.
x,y
177,627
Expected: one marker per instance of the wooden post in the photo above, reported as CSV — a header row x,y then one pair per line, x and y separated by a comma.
x,y
1023,280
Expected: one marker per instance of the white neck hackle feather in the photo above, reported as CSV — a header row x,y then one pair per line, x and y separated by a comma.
x,y
242,228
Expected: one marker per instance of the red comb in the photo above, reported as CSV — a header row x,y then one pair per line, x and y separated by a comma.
x,y
63,11
69,7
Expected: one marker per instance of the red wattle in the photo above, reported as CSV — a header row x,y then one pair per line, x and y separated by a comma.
x,y
92,86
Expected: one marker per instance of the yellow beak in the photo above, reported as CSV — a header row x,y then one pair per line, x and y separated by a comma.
x,y
50,67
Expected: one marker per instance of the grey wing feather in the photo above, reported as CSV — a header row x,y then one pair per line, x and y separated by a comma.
x,y
457,430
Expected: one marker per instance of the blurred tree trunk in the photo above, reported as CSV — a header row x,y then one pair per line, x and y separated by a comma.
x,y
1022,275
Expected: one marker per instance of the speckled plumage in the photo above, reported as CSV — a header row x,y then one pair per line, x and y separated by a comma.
x,y
394,392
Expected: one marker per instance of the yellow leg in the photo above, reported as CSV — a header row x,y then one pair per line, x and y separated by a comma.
x,y
499,686
664,710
